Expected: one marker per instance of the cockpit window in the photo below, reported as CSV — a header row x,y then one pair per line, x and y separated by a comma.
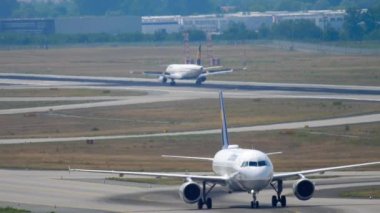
x,y
262,163
253,163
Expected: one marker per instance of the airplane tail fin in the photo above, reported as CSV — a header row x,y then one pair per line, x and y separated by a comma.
x,y
224,138
199,55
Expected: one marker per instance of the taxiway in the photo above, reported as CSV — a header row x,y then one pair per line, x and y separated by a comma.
x,y
61,191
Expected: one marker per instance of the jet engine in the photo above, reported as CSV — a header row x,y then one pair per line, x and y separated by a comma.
x,y
190,192
303,189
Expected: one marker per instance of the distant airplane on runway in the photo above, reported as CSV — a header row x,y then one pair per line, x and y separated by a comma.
x,y
239,170
188,71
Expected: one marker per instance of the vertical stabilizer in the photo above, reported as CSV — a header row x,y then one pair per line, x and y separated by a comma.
x,y
199,55
225,141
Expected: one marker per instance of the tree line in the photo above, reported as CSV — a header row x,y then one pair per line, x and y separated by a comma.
x,y
33,8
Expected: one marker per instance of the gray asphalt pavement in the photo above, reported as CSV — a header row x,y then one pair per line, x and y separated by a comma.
x,y
60,191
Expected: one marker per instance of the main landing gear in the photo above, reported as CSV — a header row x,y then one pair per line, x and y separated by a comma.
x,y
200,80
163,79
205,200
172,82
279,198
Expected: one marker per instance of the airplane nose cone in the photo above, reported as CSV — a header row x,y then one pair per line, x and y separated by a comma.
x,y
254,178
177,75
253,173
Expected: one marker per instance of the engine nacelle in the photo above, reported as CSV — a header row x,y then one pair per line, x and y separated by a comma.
x,y
190,192
303,189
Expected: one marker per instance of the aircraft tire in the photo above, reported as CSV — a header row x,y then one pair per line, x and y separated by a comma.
x,y
209,203
255,204
283,201
200,204
274,201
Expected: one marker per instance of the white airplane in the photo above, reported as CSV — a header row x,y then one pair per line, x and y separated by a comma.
x,y
188,71
239,170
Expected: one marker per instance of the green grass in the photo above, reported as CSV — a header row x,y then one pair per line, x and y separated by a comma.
x,y
355,44
151,118
370,192
264,64
12,210
301,150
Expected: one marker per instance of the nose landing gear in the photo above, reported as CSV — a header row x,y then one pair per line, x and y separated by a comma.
x,y
254,202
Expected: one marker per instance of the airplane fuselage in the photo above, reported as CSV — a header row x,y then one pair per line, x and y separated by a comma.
x,y
184,71
247,169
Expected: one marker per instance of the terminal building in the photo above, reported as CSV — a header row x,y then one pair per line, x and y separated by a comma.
x,y
217,23
73,25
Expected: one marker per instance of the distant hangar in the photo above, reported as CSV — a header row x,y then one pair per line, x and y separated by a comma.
x,y
73,25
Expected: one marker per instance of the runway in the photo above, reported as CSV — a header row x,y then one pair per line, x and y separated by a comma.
x,y
59,191
35,79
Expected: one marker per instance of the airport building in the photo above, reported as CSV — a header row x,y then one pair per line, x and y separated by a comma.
x,y
98,24
321,18
73,25
217,23
151,24
214,23
30,25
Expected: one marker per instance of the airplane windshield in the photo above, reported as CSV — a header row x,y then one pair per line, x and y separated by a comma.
x,y
262,163
253,164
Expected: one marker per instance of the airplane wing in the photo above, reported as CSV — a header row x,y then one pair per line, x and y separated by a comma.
x,y
214,179
187,157
216,72
213,68
287,175
273,153
153,73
